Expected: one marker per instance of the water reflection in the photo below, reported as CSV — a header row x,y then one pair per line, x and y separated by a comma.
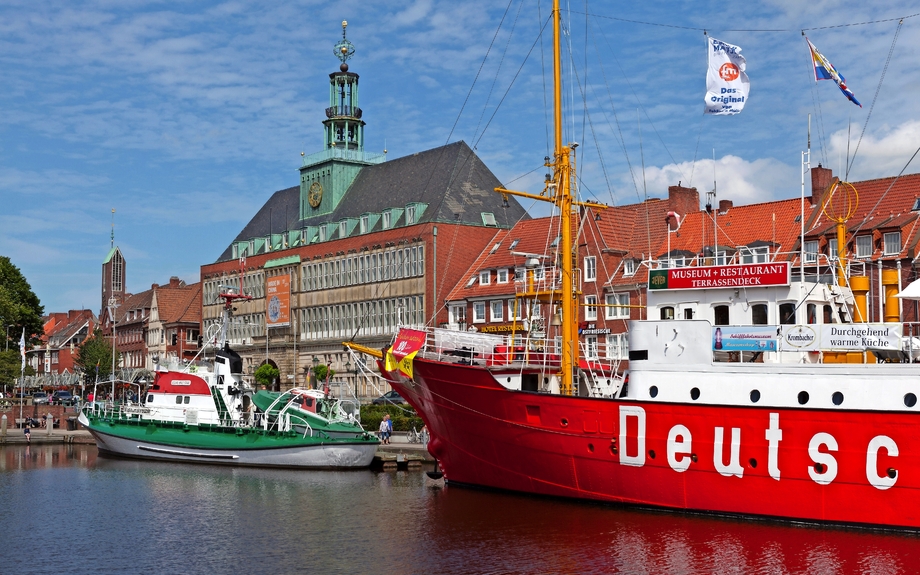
x,y
122,516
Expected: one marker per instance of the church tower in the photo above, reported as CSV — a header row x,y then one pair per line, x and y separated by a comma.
x,y
326,176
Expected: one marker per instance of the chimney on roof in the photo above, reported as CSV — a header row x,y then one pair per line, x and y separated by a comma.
x,y
154,286
683,200
174,282
725,205
821,180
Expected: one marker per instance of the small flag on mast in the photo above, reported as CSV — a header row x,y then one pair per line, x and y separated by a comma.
x,y
824,70
22,348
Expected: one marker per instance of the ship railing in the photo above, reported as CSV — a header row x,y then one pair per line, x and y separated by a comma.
x,y
499,350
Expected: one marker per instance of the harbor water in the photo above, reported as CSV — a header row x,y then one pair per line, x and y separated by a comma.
x,y
66,510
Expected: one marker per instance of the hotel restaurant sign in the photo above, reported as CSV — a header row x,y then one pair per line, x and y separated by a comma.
x,y
705,277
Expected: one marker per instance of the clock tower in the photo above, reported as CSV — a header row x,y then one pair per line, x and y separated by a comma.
x,y
326,175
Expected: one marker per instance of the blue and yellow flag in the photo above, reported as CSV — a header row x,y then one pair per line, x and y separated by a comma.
x,y
824,70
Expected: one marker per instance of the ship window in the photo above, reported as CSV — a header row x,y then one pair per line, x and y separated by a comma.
x,y
812,313
828,318
759,314
787,313
667,312
721,314
187,399
149,398
179,400
688,313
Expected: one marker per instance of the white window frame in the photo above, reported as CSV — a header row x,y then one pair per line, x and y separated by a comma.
x,y
759,255
365,220
617,298
590,271
629,268
590,308
864,246
410,215
591,351
832,248
811,251
514,314
617,346
479,312
496,310
501,276
386,219
892,247
484,277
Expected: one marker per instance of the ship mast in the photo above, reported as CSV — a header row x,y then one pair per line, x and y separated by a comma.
x,y
558,190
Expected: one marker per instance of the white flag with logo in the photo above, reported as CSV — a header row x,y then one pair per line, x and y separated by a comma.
x,y
726,83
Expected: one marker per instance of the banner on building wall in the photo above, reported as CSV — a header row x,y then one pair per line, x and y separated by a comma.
x,y
705,277
278,301
841,337
727,85
748,338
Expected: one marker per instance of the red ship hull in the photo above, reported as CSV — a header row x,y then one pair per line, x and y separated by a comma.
x,y
845,467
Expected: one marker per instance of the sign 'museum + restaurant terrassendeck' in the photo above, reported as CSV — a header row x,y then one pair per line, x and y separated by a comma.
x,y
704,277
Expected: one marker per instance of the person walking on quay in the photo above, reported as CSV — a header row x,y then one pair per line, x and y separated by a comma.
x,y
389,427
384,430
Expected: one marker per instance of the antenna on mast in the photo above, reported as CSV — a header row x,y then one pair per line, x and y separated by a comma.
x,y
112,237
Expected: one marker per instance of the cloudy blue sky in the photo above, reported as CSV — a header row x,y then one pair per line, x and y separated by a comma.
x,y
185,117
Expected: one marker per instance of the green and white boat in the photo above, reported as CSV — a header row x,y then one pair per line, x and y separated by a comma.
x,y
309,410
201,414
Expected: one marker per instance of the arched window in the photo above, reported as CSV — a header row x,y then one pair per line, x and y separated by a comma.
x,y
667,312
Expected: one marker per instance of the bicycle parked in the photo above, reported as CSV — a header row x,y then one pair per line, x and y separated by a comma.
x,y
416,436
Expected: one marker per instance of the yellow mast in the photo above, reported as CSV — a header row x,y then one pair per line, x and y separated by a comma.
x,y
558,190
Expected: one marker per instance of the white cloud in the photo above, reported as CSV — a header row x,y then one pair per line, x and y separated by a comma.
x,y
881,154
739,180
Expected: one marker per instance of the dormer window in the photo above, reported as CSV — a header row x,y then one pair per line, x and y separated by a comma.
x,y
629,268
484,277
365,220
387,217
502,276
343,229
410,215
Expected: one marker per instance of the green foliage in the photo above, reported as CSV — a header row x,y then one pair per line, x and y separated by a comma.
x,y
404,417
95,351
19,307
10,365
266,374
322,371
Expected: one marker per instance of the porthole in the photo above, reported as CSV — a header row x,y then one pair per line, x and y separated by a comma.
x,y
803,397
695,393
509,380
564,422
910,400
591,447
753,463
693,457
653,391
892,473
651,453
755,395
820,468
837,398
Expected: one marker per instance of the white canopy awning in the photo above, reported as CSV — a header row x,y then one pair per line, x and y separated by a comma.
x,y
912,291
